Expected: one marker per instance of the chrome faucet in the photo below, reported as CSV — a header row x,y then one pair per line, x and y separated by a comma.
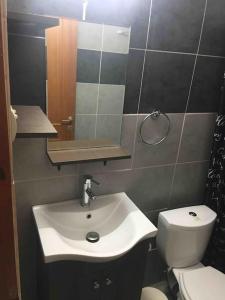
x,y
88,194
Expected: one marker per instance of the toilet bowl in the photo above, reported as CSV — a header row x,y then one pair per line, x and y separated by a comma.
x,y
150,293
183,235
205,283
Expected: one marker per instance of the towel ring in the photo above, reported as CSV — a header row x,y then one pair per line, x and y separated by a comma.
x,y
154,116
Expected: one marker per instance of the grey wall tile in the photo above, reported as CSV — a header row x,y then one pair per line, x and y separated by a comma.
x,y
114,12
113,182
89,36
166,82
31,162
212,42
189,184
164,153
111,12
133,81
149,188
176,25
116,39
197,137
27,75
155,268
111,99
205,91
139,22
85,126
51,7
113,68
127,141
128,131
88,66
86,98
154,214
109,127
48,190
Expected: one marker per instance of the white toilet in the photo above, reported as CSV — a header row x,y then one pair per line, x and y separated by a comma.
x,y
183,235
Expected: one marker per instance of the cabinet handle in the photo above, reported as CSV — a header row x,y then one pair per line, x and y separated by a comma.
x,y
96,285
108,281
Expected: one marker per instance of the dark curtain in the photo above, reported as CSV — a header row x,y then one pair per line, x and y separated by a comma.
x,y
215,190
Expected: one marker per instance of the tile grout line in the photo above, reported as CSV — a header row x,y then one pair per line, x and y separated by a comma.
x,y
146,114
199,44
186,108
179,53
175,113
210,56
140,91
18,181
99,80
120,115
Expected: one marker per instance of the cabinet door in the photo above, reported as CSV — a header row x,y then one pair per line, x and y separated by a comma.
x,y
109,285
130,273
120,279
90,287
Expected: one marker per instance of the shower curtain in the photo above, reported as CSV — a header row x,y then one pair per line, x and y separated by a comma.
x,y
215,190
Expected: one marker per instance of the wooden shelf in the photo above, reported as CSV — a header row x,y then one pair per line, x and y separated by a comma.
x,y
63,157
80,144
32,122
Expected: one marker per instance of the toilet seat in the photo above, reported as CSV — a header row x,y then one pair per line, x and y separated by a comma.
x,y
202,284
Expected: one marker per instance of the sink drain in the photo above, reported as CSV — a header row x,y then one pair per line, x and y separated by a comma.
x,y
92,237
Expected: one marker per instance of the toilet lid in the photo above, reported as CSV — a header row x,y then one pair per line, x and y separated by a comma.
x,y
203,284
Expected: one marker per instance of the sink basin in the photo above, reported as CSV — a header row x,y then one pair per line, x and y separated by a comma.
x,y
63,228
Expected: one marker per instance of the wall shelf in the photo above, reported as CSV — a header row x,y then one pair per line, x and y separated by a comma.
x,y
33,123
63,157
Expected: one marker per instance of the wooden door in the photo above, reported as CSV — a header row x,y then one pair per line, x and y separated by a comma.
x,y
9,274
61,44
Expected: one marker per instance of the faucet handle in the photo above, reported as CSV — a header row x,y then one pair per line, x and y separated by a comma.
x,y
91,195
90,177
95,181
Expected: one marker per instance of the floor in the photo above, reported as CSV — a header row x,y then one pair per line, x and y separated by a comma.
x,y
163,286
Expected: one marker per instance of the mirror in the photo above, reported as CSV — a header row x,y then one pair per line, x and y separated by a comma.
x,y
76,72
86,75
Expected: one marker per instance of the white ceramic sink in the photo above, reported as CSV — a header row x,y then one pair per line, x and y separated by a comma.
x,y
63,227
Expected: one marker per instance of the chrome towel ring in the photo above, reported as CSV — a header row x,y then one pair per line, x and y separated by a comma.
x,y
154,116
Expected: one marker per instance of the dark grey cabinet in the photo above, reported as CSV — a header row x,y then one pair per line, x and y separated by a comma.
x,y
120,279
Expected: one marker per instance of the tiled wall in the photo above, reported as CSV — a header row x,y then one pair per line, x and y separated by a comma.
x,y
176,63
179,65
101,76
28,87
156,178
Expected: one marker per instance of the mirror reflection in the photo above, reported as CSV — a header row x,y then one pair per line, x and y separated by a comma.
x,y
81,71
86,74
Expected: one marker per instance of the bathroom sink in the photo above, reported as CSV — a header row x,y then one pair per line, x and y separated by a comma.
x,y
63,228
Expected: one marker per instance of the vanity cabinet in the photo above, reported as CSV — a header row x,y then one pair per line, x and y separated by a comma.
x,y
120,279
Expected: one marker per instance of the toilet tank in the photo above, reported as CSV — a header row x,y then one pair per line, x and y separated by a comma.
x,y
183,234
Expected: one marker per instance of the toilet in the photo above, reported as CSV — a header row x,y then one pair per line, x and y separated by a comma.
x,y
183,235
